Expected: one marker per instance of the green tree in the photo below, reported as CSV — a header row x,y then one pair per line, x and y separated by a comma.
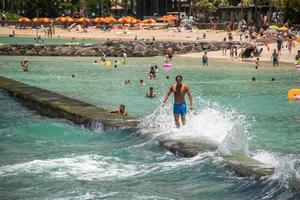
x,y
208,7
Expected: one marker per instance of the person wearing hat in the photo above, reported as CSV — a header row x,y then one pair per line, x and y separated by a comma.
x,y
24,64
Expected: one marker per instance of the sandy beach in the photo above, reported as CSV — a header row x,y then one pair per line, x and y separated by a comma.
x,y
160,34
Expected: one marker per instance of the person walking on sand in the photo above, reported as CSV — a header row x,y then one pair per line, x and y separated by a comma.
x,y
179,89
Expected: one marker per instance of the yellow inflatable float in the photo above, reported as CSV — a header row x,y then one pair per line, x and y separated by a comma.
x,y
105,63
72,43
294,94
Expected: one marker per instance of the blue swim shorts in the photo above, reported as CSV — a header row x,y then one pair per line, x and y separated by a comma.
x,y
180,109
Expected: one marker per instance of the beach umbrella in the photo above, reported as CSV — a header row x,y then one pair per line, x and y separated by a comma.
x,y
167,18
24,19
123,20
68,19
298,39
99,20
149,21
135,21
109,20
130,19
60,19
45,20
274,27
283,29
84,20
36,20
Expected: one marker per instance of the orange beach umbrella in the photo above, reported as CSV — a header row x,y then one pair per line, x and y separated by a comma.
x,y
123,20
135,21
149,21
36,20
24,19
167,18
109,20
60,19
84,20
68,19
98,20
45,20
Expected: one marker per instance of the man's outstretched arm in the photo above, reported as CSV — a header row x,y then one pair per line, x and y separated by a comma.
x,y
168,94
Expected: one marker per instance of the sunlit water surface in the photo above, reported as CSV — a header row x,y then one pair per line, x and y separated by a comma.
x,y
41,158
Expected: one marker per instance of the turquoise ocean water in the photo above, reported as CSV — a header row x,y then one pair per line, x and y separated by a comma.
x,y
42,158
45,40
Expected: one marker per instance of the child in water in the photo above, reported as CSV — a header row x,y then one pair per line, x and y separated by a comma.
x,y
257,63
205,59
167,59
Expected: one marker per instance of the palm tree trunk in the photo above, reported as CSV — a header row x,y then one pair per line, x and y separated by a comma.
x,y
242,8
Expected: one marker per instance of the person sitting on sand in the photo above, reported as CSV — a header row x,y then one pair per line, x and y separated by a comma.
x,y
24,65
151,93
120,111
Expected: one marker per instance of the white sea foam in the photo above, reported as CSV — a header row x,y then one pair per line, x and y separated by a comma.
x,y
209,121
94,167
286,167
85,167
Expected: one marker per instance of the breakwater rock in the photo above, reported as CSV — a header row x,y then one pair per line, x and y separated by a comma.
x,y
112,48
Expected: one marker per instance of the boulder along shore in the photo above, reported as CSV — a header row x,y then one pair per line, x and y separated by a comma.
x,y
112,48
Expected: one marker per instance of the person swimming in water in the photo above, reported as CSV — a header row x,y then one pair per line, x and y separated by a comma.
x,y
205,59
151,93
142,82
180,109
103,57
24,65
120,111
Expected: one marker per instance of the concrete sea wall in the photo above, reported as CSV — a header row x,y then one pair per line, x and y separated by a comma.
x,y
111,48
54,105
